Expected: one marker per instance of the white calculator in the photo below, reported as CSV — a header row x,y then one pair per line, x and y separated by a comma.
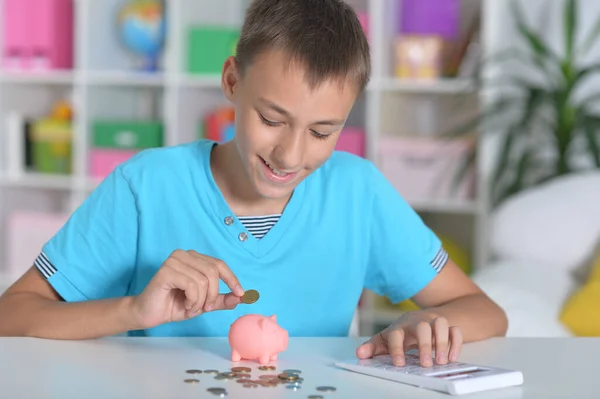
x,y
453,378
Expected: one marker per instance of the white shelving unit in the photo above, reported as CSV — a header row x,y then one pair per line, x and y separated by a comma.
x,y
104,84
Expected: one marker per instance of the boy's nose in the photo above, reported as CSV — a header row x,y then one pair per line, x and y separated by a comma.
x,y
289,154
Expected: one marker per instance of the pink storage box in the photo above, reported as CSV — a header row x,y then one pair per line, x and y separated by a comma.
x,y
27,233
104,161
363,17
423,169
352,140
38,34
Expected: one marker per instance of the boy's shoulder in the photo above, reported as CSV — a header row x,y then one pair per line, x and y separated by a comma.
x,y
166,162
346,167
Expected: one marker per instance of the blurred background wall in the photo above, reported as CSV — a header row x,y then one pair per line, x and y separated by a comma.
x,y
482,115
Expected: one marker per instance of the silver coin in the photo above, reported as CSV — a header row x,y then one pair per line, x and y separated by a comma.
x,y
194,371
315,397
293,387
216,390
326,389
292,371
211,371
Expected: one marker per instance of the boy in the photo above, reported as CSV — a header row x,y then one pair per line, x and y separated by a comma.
x,y
166,245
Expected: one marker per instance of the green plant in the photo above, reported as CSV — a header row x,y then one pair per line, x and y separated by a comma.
x,y
542,120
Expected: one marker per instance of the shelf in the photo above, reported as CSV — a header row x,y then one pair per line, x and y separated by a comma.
x,y
49,77
200,81
452,207
439,86
126,78
38,180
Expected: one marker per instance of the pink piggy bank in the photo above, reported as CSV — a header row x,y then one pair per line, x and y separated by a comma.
x,y
257,337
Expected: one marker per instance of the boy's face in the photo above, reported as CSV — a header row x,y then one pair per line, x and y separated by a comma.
x,y
284,129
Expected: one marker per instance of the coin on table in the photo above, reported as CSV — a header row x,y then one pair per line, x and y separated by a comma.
x,y
288,377
326,389
194,371
315,397
211,371
250,296
191,381
241,369
292,371
266,368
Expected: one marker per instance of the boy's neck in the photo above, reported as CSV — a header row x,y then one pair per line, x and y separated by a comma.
x,y
231,178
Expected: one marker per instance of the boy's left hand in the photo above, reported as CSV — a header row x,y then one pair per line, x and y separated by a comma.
x,y
416,330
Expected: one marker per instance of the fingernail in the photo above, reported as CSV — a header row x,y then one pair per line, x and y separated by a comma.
x,y
209,307
239,290
427,360
441,357
399,361
453,356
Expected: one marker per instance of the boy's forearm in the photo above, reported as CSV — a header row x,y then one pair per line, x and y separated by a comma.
x,y
477,316
30,315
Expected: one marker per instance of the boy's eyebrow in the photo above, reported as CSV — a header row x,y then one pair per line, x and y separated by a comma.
x,y
283,112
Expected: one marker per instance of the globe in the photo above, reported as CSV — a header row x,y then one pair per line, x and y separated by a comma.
x,y
142,29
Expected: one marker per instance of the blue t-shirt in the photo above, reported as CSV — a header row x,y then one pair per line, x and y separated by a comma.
x,y
344,229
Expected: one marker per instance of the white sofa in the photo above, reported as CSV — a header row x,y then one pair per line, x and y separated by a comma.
x,y
542,240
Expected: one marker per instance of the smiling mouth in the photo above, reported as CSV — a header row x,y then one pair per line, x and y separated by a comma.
x,y
275,174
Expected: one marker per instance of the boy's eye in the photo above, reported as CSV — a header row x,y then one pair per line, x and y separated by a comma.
x,y
268,122
318,135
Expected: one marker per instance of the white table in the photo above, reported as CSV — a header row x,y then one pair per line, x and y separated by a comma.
x,y
132,368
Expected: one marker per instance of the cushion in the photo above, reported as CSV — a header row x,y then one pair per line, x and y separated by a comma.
x,y
580,313
556,224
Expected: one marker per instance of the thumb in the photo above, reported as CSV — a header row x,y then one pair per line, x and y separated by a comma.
x,y
372,347
227,301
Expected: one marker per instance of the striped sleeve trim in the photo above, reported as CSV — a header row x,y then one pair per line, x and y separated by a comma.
x,y
439,260
44,266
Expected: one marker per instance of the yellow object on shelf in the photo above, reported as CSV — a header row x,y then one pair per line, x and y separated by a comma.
x,y
52,146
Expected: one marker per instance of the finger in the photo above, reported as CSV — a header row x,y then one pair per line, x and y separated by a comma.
x,y
182,265
225,273
226,301
373,347
229,278
212,290
456,342
175,279
423,332
395,343
440,334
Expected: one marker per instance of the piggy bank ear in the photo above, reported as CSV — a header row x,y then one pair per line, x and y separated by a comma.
x,y
273,317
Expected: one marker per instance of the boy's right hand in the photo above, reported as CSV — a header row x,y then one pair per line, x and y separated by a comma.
x,y
186,285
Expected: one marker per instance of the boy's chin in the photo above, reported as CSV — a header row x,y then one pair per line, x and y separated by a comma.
x,y
274,192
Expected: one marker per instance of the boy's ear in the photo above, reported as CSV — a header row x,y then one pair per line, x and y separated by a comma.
x,y
230,77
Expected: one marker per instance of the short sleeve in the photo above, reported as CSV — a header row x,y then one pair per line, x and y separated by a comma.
x,y
405,254
94,254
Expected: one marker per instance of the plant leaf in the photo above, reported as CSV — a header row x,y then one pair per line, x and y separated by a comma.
x,y
570,15
591,133
591,38
534,41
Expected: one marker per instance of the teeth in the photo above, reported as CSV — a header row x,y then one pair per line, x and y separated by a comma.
x,y
278,173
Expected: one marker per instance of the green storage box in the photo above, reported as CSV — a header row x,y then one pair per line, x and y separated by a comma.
x,y
209,47
51,146
127,135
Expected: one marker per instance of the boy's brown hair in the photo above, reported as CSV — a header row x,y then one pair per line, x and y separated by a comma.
x,y
325,36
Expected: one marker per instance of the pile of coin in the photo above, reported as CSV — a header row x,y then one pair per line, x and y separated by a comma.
x,y
290,378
